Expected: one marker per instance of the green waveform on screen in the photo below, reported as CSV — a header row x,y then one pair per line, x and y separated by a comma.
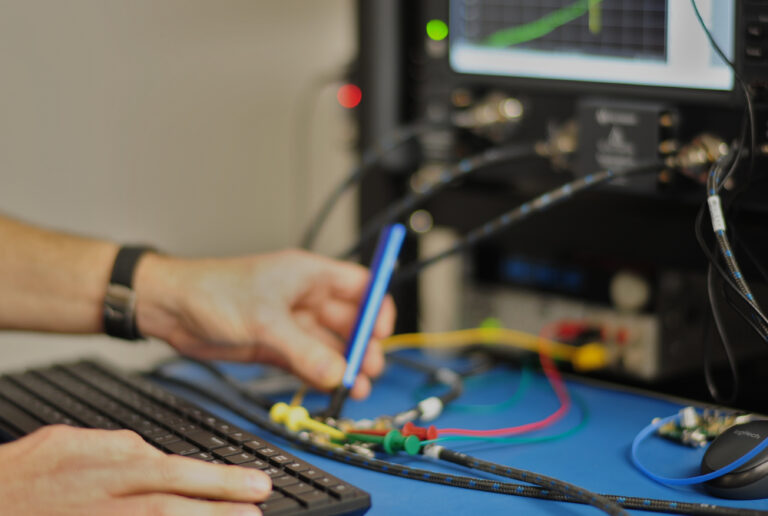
x,y
546,24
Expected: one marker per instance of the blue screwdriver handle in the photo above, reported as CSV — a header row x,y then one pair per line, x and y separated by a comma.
x,y
382,267
384,260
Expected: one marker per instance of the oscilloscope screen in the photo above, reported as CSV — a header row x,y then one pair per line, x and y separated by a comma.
x,y
637,42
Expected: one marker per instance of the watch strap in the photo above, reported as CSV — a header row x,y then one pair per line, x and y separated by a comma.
x,y
119,314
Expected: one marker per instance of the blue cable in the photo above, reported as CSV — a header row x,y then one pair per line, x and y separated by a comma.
x,y
648,430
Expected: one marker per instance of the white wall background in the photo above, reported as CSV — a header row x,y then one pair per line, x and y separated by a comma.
x,y
172,122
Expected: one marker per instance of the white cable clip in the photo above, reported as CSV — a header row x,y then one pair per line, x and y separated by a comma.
x,y
432,451
446,376
716,212
430,408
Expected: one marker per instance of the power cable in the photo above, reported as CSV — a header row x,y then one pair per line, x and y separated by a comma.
x,y
729,354
369,158
564,488
447,177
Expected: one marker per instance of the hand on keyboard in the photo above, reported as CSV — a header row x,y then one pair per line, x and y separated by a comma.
x,y
59,470
290,308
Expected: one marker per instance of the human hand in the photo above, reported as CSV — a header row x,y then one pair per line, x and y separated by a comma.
x,y
64,471
290,308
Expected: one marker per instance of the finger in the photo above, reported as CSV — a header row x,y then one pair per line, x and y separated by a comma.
x,y
347,280
314,362
362,387
340,318
172,505
337,316
373,362
191,477
385,322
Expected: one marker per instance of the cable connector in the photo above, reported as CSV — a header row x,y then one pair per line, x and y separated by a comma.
x,y
562,142
430,408
695,157
495,109
403,417
392,442
297,419
432,451
422,433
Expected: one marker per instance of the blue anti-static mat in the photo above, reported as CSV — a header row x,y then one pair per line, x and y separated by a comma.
x,y
596,458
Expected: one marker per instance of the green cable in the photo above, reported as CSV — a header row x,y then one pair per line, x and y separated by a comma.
x,y
578,400
541,27
525,380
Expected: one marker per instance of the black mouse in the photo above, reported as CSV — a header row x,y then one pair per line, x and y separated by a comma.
x,y
748,481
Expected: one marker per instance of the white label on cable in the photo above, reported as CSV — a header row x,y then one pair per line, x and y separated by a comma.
x,y
716,212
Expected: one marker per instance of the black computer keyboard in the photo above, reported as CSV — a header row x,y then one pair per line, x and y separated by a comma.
x,y
94,395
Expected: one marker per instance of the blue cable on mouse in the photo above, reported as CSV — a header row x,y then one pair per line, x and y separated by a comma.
x,y
728,468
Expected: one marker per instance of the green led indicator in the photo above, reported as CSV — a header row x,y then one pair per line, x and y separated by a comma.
x,y
437,30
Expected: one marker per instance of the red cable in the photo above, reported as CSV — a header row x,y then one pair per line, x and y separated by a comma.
x,y
558,385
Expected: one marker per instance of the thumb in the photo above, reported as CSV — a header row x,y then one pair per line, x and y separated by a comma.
x,y
308,357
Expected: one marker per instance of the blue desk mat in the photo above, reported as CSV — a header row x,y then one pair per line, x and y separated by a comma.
x,y
596,458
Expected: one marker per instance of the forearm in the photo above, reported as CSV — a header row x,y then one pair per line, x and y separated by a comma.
x,y
51,281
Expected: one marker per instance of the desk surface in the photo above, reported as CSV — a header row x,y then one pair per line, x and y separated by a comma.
x,y
596,457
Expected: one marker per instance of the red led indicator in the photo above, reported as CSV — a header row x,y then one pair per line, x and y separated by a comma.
x,y
349,96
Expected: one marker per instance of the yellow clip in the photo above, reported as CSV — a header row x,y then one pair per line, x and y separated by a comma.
x,y
297,418
590,357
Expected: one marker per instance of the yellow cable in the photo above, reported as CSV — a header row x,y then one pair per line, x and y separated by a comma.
x,y
590,356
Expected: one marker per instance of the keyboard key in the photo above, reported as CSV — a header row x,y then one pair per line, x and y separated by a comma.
x,y
240,458
281,506
18,419
223,428
273,472
274,495
241,437
266,452
226,451
297,488
255,464
205,439
279,460
325,481
164,439
253,444
181,448
314,498
296,467
285,480
311,474
343,491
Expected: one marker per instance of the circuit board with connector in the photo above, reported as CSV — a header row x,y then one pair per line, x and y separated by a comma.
x,y
697,429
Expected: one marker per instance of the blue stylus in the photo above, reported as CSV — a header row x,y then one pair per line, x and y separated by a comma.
x,y
384,260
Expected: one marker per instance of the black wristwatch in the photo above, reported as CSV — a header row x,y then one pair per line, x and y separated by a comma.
x,y
120,301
